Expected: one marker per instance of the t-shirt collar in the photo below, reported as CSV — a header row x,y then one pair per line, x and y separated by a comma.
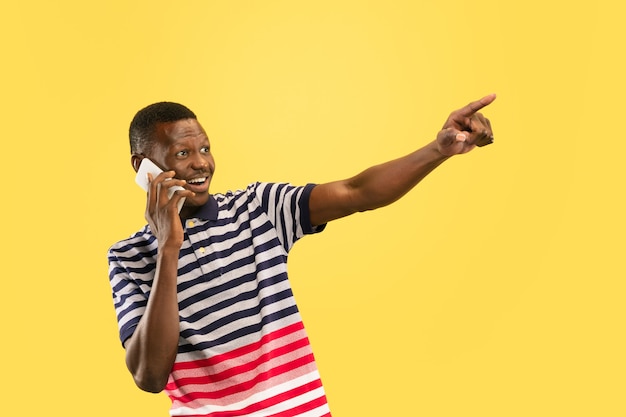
x,y
208,211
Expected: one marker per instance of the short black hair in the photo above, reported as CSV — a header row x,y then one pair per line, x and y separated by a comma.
x,y
144,123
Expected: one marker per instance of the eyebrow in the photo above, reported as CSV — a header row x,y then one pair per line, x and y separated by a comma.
x,y
184,142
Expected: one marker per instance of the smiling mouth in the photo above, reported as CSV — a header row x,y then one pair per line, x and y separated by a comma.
x,y
197,181
198,185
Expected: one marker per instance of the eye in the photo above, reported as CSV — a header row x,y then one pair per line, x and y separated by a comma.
x,y
182,153
205,149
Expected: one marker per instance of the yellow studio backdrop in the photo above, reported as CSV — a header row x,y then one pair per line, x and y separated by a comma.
x,y
496,288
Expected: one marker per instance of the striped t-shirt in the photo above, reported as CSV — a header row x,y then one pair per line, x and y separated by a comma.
x,y
243,350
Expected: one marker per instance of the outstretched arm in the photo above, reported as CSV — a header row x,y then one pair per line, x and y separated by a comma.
x,y
383,184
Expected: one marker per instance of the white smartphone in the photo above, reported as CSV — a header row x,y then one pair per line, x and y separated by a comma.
x,y
147,166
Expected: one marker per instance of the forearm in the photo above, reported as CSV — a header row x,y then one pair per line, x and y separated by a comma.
x,y
375,187
151,351
383,184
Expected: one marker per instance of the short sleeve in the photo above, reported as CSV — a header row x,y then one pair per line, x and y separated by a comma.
x,y
131,272
287,206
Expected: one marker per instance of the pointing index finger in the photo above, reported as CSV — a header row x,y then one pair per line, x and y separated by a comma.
x,y
474,106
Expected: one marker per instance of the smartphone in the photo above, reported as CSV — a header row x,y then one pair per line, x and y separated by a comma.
x,y
147,166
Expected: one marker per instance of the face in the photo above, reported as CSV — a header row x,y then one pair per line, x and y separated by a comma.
x,y
183,146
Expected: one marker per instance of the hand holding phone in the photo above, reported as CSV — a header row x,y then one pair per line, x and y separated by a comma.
x,y
148,167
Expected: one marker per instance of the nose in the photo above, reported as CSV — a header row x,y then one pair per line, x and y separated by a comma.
x,y
201,162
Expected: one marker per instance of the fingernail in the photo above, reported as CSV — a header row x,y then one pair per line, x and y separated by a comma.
x,y
461,137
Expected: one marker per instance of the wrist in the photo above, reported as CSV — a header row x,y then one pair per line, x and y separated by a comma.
x,y
168,250
437,154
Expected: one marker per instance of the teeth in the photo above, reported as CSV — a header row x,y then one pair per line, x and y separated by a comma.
x,y
197,180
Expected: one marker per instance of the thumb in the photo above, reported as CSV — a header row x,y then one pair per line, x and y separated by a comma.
x,y
450,136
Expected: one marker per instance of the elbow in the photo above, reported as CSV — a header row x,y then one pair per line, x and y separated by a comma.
x,y
149,373
148,378
150,387
153,384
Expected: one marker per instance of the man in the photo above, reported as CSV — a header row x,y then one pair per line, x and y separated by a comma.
x,y
204,306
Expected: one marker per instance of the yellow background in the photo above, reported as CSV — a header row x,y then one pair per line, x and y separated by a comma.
x,y
494,289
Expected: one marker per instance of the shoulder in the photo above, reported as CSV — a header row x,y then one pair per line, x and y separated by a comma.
x,y
279,190
251,194
141,242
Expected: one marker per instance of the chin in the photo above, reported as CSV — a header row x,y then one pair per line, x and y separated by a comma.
x,y
197,200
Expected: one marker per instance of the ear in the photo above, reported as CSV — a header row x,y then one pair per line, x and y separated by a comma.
x,y
135,160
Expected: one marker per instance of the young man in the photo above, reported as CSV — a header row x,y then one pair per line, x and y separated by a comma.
x,y
203,303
